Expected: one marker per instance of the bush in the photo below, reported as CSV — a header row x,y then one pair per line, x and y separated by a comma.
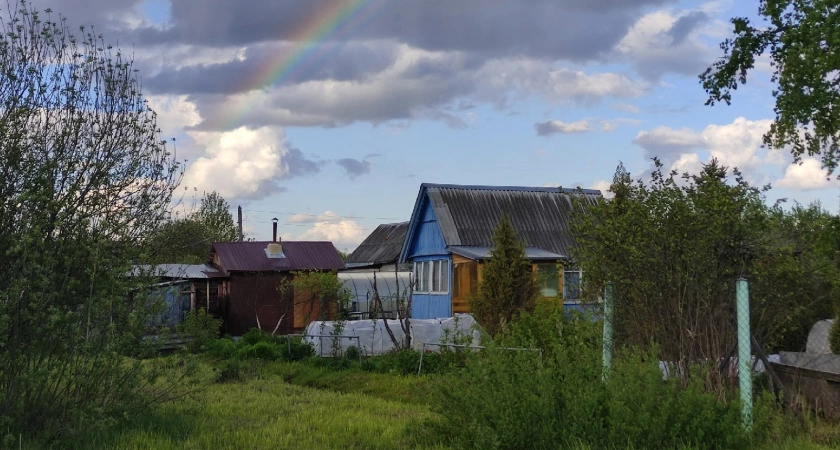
x,y
264,350
200,329
834,336
255,335
527,399
222,348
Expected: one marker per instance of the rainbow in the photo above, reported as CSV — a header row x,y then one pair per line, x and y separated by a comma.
x,y
337,19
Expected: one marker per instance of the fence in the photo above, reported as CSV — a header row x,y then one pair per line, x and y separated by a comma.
x,y
809,378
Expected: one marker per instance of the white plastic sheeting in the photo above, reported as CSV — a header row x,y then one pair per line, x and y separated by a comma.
x,y
818,341
389,285
374,339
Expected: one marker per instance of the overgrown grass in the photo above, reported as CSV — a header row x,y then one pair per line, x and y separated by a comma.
x,y
265,412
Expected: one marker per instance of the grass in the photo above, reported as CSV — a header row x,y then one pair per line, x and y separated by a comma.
x,y
303,406
265,413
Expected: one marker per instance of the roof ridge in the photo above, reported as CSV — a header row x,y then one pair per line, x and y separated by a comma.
x,y
475,187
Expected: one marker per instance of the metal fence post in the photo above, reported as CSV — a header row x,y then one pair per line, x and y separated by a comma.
x,y
744,355
608,329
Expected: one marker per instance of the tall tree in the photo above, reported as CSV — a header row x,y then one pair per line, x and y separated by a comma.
x,y
84,175
187,240
804,46
507,286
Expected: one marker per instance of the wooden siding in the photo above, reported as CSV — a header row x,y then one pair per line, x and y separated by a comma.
x,y
467,273
427,239
431,306
250,295
308,309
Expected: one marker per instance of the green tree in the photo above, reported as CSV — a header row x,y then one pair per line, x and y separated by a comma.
x,y
507,285
673,249
803,43
187,240
84,176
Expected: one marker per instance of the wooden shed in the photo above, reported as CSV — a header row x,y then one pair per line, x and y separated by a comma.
x,y
255,271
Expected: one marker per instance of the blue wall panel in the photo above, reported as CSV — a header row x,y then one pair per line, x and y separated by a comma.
x,y
430,306
427,239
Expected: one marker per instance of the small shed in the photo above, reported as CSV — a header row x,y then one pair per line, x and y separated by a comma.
x,y
184,287
254,273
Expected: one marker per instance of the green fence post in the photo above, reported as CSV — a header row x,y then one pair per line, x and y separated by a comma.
x,y
744,354
608,329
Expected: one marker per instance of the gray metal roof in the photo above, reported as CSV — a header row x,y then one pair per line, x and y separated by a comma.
x,y
468,215
381,247
482,253
298,255
179,271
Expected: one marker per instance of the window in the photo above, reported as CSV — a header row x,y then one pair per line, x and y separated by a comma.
x,y
432,276
548,279
571,283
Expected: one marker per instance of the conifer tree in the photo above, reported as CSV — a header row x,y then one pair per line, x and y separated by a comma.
x,y
507,285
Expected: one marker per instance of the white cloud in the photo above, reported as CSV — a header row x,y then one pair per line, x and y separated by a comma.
x,y
604,187
344,233
242,163
808,175
668,41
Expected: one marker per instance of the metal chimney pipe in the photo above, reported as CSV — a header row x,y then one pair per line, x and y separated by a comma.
x,y
274,227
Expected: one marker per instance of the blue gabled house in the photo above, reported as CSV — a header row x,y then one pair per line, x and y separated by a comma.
x,y
450,235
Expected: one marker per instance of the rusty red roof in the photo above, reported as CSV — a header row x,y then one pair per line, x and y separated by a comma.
x,y
298,255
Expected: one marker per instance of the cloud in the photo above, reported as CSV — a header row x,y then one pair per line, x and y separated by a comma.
x,y
668,144
556,126
355,168
343,232
604,187
245,163
664,41
809,174
737,144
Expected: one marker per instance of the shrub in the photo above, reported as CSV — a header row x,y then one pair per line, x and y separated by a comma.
x,y
527,399
200,329
255,335
834,336
297,350
264,350
222,348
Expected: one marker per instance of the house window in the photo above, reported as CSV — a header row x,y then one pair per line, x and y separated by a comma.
x,y
548,279
432,276
571,283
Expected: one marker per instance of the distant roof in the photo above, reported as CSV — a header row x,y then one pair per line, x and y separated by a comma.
x,y
187,271
468,215
381,247
298,255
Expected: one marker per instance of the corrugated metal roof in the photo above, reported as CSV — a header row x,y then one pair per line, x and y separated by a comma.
x,y
468,215
186,271
382,246
482,253
299,255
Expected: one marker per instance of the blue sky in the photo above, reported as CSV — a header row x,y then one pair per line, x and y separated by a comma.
x,y
468,92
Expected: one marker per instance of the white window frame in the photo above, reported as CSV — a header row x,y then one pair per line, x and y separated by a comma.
x,y
426,272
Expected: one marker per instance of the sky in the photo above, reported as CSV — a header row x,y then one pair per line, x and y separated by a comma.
x,y
329,114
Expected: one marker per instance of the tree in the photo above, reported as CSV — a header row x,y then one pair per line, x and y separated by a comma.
x,y
84,176
187,240
507,285
674,246
804,47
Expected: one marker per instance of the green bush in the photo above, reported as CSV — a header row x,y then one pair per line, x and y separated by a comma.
x,y
264,350
222,348
199,328
834,336
530,399
297,350
255,335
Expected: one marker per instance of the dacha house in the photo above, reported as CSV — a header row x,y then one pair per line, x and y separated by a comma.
x,y
450,235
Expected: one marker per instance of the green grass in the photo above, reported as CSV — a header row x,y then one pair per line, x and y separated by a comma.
x,y
301,406
268,413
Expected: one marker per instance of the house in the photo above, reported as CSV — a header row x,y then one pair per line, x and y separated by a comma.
x,y
380,251
184,287
254,274
450,235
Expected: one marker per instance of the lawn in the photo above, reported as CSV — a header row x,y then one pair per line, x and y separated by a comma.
x,y
283,405
265,412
